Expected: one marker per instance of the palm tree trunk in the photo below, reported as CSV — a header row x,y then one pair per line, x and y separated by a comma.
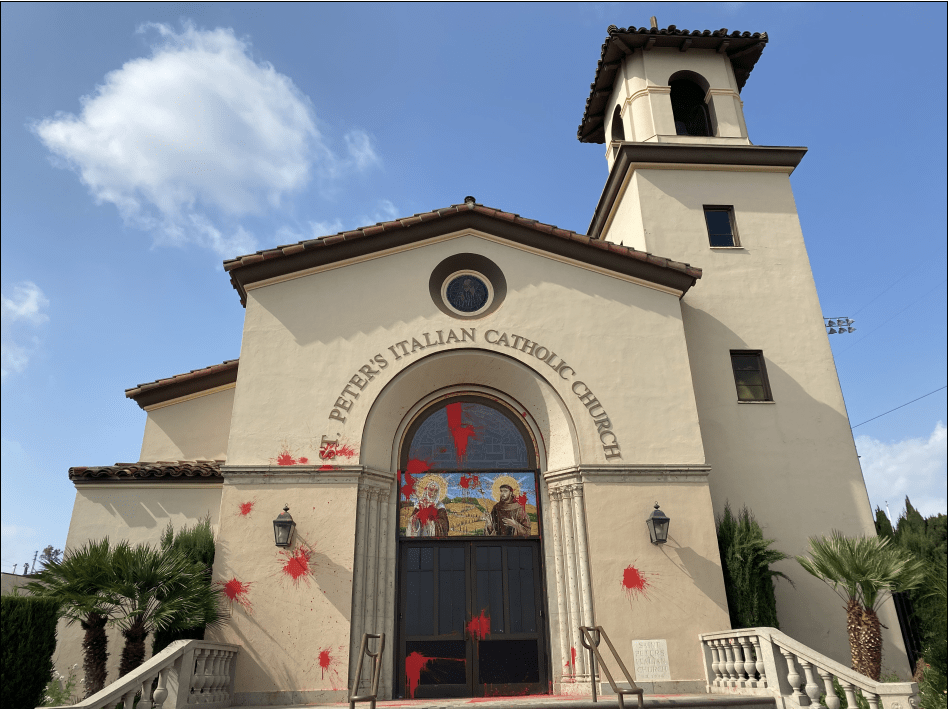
x,y
871,644
95,652
133,654
853,609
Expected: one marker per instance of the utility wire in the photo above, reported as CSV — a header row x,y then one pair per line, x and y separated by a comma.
x,y
900,407
900,312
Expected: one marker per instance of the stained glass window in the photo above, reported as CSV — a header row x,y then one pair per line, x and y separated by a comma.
x,y
467,293
466,435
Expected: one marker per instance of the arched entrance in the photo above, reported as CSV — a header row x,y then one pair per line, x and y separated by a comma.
x,y
470,601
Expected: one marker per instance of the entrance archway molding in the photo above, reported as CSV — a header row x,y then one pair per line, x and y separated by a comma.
x,y
567,573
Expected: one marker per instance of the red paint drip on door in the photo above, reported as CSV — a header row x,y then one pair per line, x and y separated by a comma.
x,y
460,432
479,626
415,663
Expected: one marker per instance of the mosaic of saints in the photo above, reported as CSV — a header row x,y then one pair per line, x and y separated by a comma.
x,y
508,517
429,516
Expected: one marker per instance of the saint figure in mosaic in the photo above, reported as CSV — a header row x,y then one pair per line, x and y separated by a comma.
x,y
429,516
508,518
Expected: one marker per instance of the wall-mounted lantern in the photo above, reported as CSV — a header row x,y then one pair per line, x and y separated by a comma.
x,y
284,527
658,524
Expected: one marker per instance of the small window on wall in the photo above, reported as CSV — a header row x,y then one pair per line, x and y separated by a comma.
x,y
752,382
616,126
721,226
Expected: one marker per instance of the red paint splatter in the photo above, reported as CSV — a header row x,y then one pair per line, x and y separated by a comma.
x,y
571,664
634,582
236,591
427,514
285,458
479,626
413,467
324,659
415,663
298,563
460,432
246,507
522,499
325,467
329,451
463,482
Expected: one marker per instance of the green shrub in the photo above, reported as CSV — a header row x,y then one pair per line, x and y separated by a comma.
x,y
61,690
746,558
197,543
28,641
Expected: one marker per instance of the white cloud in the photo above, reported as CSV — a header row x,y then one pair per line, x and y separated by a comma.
x,y
196,135
26,303
22,312
914,467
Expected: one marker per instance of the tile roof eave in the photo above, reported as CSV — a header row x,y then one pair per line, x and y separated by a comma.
x,y
184,470
178,385
293,257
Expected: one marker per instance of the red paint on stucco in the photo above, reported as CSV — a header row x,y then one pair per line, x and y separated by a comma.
x,y
461,433
329,451
324,659
245,508
285,458
634,582
297,564
479,626
236,591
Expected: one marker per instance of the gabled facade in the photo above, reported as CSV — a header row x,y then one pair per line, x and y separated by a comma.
x,y
471,414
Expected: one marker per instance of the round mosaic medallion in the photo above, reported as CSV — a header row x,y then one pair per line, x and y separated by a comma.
x,y
467,292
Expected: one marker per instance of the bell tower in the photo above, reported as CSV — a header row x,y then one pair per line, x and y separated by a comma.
x,y
670,86
686,183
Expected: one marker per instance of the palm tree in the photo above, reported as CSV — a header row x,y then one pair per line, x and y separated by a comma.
x,y
864,572
77,582
154,589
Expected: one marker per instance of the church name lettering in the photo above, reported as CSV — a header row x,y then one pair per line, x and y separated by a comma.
x,y
407,348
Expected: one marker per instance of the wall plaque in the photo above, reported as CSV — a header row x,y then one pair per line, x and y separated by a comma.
x,y
650,660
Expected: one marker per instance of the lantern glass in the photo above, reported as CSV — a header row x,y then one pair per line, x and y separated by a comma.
x,y
659,525
284,527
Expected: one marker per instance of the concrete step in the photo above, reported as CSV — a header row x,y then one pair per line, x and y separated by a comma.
x,y
563,701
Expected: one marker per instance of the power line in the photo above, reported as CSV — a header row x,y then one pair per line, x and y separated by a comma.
x,y
900,312
899,407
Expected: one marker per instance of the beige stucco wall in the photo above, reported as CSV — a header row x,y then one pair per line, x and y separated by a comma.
x,y
284,623
792,462
683,591
136,512
192,428
304,339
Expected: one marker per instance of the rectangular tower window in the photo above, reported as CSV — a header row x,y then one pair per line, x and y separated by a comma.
x,y
721,225
752,383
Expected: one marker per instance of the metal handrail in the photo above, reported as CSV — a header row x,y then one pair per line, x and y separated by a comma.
x,y
588,642
377,666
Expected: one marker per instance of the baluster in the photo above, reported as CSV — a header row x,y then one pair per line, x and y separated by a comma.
x,y
794,679
749,664
161,692
831,698
849,694
218,675
759,662
145,701
198,679
211,688
226,686
874,701
129,699
733,665
714,662
811,686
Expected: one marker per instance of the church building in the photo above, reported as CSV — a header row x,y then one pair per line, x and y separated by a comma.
x,y
470,415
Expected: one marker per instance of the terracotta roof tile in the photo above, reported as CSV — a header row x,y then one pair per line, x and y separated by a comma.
x,y
182,384
188,469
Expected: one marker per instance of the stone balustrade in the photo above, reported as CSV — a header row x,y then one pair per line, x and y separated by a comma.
x,y
188,672
767,662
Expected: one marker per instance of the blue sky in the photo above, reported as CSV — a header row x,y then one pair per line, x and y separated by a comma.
x,y
142,144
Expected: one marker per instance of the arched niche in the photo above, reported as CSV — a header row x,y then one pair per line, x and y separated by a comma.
x,y
475,372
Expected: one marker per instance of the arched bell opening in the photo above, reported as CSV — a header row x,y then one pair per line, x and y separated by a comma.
x,y
688,97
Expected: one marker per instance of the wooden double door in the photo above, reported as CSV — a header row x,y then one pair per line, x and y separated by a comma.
x,y
471,619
